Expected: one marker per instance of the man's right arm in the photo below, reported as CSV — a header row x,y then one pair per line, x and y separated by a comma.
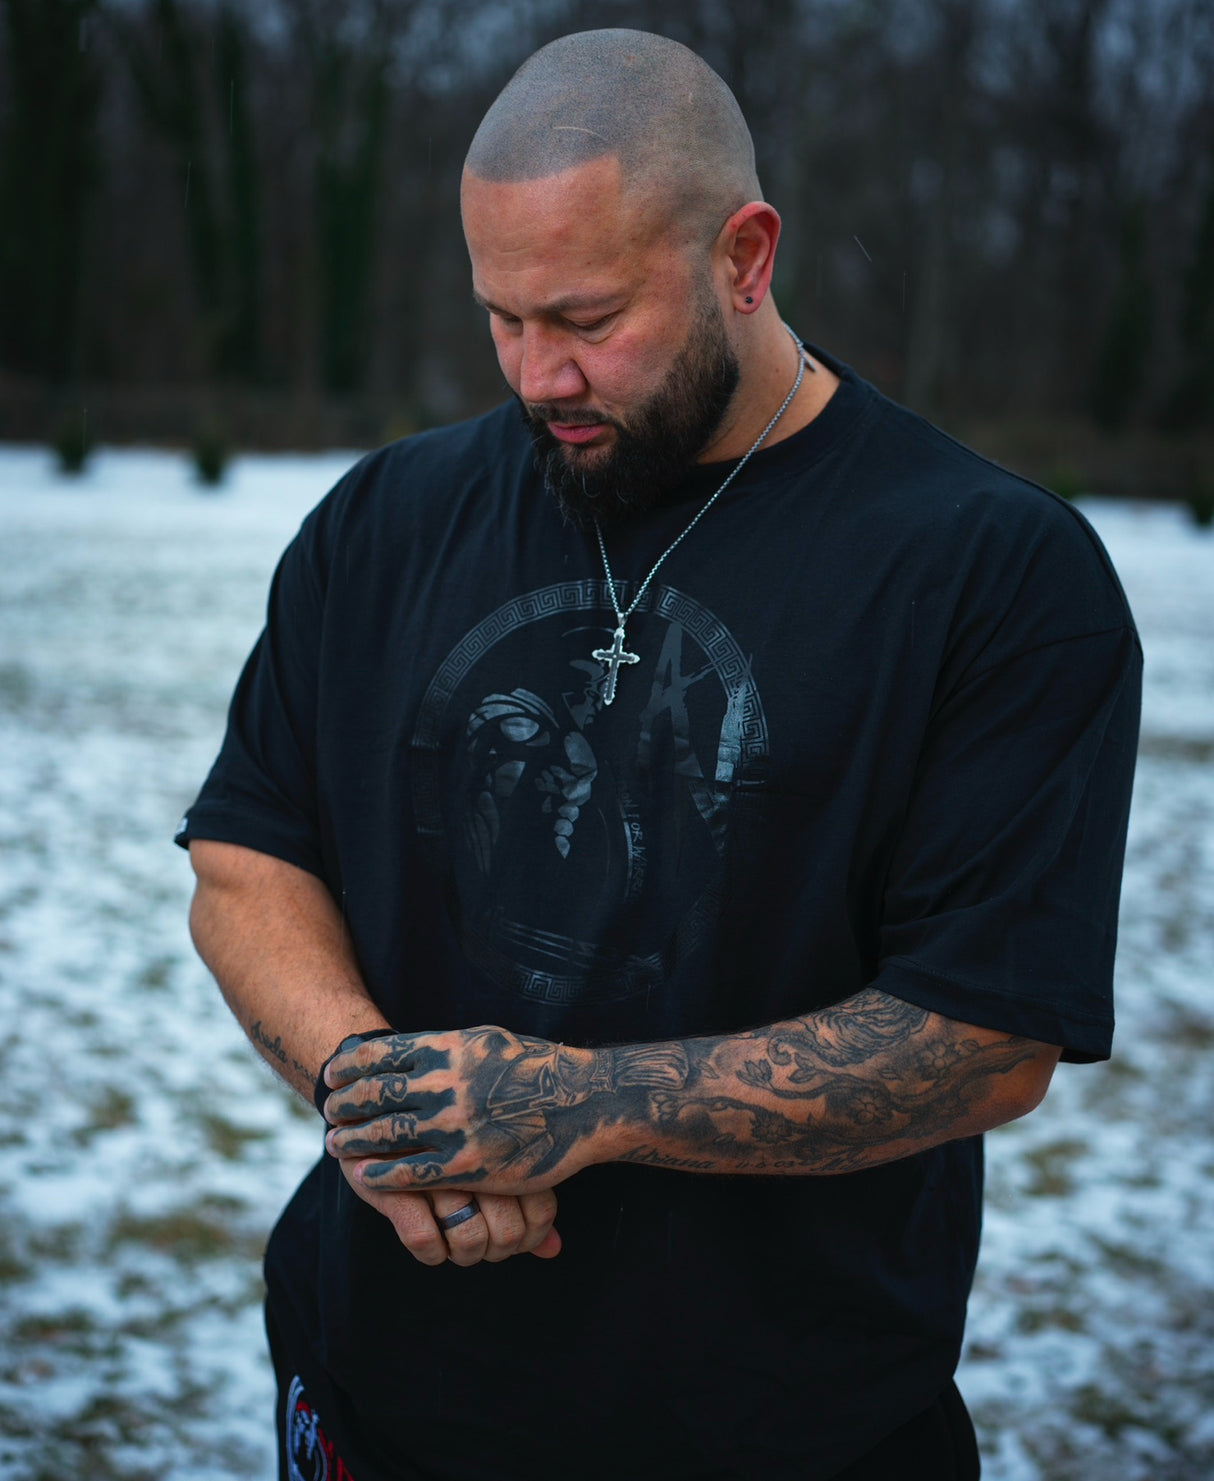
x,y
277,945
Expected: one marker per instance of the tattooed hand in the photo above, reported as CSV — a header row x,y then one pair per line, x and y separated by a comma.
x,y
485,1108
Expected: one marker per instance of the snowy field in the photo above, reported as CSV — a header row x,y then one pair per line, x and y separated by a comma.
x,y
144,1152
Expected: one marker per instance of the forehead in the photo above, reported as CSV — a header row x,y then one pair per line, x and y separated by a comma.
x,y
581,231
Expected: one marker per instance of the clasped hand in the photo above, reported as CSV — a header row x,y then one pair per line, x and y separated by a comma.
x,y
468,1110
481,1109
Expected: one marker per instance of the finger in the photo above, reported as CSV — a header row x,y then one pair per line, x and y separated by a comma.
x,y
549,1247
427,1168
412,1217
467,1241
427,1150
505,1223
354,1102
538,1211
416,1227
399,1054
368,1138
378,1095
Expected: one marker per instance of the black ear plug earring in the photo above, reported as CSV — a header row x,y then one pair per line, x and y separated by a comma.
x,y
750,300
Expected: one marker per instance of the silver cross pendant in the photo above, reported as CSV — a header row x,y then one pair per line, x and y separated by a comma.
x,y
612,658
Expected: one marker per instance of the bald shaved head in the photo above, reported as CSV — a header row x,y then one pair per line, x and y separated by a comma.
x,y
674,126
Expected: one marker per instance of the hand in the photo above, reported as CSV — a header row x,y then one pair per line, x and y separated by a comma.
x,y
504,1227
485,1109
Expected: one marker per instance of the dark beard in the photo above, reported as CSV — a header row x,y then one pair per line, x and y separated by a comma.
x,y
656,446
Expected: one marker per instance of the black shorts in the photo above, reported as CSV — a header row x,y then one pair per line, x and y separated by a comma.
x,y
937,1445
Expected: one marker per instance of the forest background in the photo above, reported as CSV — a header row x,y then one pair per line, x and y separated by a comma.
x,y
238,222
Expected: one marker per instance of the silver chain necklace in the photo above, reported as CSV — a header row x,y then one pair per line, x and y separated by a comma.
x,y
612,658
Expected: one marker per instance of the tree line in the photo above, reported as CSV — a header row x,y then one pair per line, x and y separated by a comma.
x,y
993,208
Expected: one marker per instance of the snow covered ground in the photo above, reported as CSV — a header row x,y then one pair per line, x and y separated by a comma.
x,y
144,1152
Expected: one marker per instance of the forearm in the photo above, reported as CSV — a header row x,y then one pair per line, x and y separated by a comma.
x,y
275,941
866,1081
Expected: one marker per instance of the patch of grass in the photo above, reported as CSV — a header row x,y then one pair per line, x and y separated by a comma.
x,y
1105,1410
56,1243
1174,933
157,974
1123,1260
1121,1071
163,1326
134,1283
15,1261
16,686
66,1328
1193,1032
1145,1177
13,1268
226,1139
80,1456
90,1442
1048,1319
205,1231
109,1110
15,1423
1052,1175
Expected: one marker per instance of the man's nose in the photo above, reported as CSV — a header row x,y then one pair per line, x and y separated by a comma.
x,y
547,369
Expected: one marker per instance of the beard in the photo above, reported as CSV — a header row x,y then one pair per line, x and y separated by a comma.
x,y
656,445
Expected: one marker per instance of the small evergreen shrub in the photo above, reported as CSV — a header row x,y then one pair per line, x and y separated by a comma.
x,y
211,455
1200,502
72,443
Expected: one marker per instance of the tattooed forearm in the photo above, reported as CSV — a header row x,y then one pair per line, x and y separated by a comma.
x,y
273,1049
863,1082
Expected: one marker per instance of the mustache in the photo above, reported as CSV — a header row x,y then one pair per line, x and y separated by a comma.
x,y
543,412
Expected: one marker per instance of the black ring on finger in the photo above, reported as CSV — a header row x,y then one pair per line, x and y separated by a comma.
x,y
460,1216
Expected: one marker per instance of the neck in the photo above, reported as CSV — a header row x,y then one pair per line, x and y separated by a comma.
x,y
767,356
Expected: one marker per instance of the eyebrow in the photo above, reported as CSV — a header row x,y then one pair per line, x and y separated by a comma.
x,y
571,303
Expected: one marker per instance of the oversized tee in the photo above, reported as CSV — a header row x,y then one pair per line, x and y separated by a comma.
x,y
881,731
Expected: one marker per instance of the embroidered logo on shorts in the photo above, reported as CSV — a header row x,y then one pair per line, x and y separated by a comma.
x,y
310,1453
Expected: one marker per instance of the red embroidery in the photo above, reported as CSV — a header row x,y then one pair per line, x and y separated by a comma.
x,y
310,1453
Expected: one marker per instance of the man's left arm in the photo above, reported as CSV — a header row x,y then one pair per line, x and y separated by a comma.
x,y
862,1082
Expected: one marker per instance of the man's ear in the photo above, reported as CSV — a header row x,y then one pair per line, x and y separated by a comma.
x,y
747,244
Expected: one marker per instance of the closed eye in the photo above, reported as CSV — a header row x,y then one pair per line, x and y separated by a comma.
x,y
512,321
594,326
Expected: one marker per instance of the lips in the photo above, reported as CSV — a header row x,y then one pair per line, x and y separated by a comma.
x,y
575,432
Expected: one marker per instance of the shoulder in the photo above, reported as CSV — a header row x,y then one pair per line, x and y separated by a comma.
x,y
404,485
996,541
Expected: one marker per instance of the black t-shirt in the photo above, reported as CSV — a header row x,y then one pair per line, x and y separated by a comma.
x,y
881,732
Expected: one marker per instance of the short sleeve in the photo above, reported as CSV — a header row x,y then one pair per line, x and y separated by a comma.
x,y
261,792
1000,907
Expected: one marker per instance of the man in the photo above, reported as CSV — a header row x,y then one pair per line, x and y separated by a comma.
x,y
712,780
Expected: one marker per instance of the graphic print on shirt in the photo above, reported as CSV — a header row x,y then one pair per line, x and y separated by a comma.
x,y
584,846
